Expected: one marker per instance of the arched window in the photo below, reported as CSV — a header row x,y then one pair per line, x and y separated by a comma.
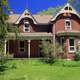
x,y
68,8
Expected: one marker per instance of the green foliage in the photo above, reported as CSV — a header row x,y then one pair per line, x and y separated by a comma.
x,y
65,63
47,50
3,65
27,69
50,11
3,33
77,56
70,1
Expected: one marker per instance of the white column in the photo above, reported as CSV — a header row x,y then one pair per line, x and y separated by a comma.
x,y
5,48
29,48
8,46
54,39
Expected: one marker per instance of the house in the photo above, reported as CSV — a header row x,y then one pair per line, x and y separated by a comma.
x,y
64,27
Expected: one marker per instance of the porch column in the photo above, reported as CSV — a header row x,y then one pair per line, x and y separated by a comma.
x,y
29,48
5,47
8,46
54,39
67,46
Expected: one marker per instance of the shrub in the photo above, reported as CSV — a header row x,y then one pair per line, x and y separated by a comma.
x,y
77,56
47,50
3,65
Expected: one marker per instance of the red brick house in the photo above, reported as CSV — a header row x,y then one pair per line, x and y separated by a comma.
x,y
64,27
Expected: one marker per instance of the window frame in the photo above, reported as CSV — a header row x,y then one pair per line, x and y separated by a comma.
x,y
20,47
68,27
69,47
26,22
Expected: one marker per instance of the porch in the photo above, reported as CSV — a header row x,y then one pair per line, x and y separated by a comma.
x,y
25,44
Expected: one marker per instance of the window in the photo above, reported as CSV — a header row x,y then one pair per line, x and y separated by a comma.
x,y
26,27
71,45
21,46
67,24
68,8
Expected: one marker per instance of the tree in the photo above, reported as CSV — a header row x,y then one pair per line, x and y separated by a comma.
x,y
3,24
70,1
3,32
50,11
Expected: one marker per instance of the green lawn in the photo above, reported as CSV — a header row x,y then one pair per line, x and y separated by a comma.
x,y
37,70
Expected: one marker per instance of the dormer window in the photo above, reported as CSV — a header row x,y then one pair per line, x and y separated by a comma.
x,y
67,24
26,27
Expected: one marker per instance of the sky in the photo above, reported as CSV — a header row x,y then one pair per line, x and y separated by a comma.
x,y
34,6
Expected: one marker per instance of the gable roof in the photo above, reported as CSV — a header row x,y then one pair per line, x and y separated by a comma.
x,y
12,18
63,10
41,19
25,14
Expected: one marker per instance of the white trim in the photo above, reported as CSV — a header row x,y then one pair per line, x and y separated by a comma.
x,y
66,11
71,51
5,47
8,46
66,27
29,49
24,16
27,27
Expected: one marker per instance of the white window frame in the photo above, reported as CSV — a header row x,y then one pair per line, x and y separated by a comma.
x,y
71,51
21,48
68,27
26,22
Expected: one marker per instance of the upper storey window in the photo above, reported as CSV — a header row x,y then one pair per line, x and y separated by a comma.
x,y
67,24
26,27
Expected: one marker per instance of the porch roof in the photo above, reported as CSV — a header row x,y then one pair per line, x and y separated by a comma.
x,y
68,33
29,36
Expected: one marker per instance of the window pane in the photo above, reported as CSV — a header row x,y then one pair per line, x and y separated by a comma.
x,y
71,41
21,44
21,49
67,23
72,48
66,8
26,29
26,25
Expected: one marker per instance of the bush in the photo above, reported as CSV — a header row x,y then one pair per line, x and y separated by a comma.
x,y
3,65
47,50
77,56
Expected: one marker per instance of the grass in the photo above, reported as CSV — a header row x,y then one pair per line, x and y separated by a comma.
x,y
34,69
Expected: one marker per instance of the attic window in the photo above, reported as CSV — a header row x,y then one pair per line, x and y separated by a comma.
x,y
68,8
26,14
